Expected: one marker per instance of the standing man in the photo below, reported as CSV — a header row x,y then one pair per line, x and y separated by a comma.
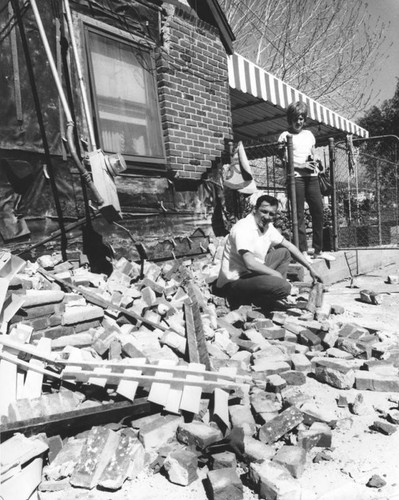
x,y
253,271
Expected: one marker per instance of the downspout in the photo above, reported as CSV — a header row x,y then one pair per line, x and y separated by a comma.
x,y
70,125
80,76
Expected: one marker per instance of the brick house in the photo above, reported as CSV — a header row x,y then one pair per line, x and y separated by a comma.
x,y
156,77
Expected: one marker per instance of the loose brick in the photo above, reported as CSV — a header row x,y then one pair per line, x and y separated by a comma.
x,y
273,481
181,466
275,383
42,297
156,432
285,422
73,315
384,427
256,451
312,412
265,406
198,433
117,469
335,373
241,416
223,460
368,381
319,434
98,450
293,458
300,362
225,484
293,377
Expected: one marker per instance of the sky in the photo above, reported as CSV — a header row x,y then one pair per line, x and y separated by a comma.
x,y
385,78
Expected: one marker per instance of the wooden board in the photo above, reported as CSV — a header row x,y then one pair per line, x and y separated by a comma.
x,y
191,396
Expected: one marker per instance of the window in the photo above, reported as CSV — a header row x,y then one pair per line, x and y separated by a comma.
x,y
123,86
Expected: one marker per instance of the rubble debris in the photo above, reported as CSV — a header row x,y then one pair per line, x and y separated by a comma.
x,y
227,389
370,297
376,481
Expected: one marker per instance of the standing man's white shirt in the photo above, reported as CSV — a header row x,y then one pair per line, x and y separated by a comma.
x,y
245,235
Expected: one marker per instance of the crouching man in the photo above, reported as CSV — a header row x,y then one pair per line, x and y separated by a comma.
x,y
256,258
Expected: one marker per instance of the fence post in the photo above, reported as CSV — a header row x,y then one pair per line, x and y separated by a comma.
x,y
291,179
334,211
378,192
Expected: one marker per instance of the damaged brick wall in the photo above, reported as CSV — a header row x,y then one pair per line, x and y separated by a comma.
x,y
193,93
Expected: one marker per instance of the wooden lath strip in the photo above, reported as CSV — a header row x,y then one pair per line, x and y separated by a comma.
x,y
115,378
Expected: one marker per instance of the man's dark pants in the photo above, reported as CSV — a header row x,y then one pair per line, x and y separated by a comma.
x,y
260,289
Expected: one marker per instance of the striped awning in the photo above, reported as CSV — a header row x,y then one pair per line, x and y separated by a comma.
x,y
250,86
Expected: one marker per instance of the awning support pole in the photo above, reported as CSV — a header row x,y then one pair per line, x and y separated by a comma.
x,y
331,154
291,179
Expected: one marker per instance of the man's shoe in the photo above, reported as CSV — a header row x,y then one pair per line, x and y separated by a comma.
x,y
324,255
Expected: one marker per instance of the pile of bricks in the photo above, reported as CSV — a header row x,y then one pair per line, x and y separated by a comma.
x,y
271,425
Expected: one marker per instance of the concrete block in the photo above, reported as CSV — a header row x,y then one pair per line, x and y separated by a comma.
x,y
198,433
293,458
225,484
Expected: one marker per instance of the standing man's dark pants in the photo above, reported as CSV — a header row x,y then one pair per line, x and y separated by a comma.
x,y
308,189
260,289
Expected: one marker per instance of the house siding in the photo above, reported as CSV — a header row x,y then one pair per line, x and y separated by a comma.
x,y
193,93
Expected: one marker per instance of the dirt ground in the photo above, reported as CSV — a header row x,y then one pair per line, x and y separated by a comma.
x,y
357,452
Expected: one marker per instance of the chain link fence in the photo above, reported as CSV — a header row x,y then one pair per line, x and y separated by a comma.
x,y
367,192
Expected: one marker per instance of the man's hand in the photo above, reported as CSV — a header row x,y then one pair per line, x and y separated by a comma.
x,y
315,276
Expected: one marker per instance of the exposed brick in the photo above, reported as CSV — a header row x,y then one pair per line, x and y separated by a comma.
x,y
293,458
225,484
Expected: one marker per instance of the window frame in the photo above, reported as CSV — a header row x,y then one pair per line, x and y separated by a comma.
x,y
135,164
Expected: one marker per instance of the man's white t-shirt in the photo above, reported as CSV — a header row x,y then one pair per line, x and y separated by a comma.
x,y
245,235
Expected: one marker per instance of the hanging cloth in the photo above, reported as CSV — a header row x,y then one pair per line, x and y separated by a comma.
x,y
238,175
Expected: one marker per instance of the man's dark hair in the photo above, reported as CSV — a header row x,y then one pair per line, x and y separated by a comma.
x,y
296,109
271,200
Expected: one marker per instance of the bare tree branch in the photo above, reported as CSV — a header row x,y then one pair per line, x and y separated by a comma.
x,y
327,49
